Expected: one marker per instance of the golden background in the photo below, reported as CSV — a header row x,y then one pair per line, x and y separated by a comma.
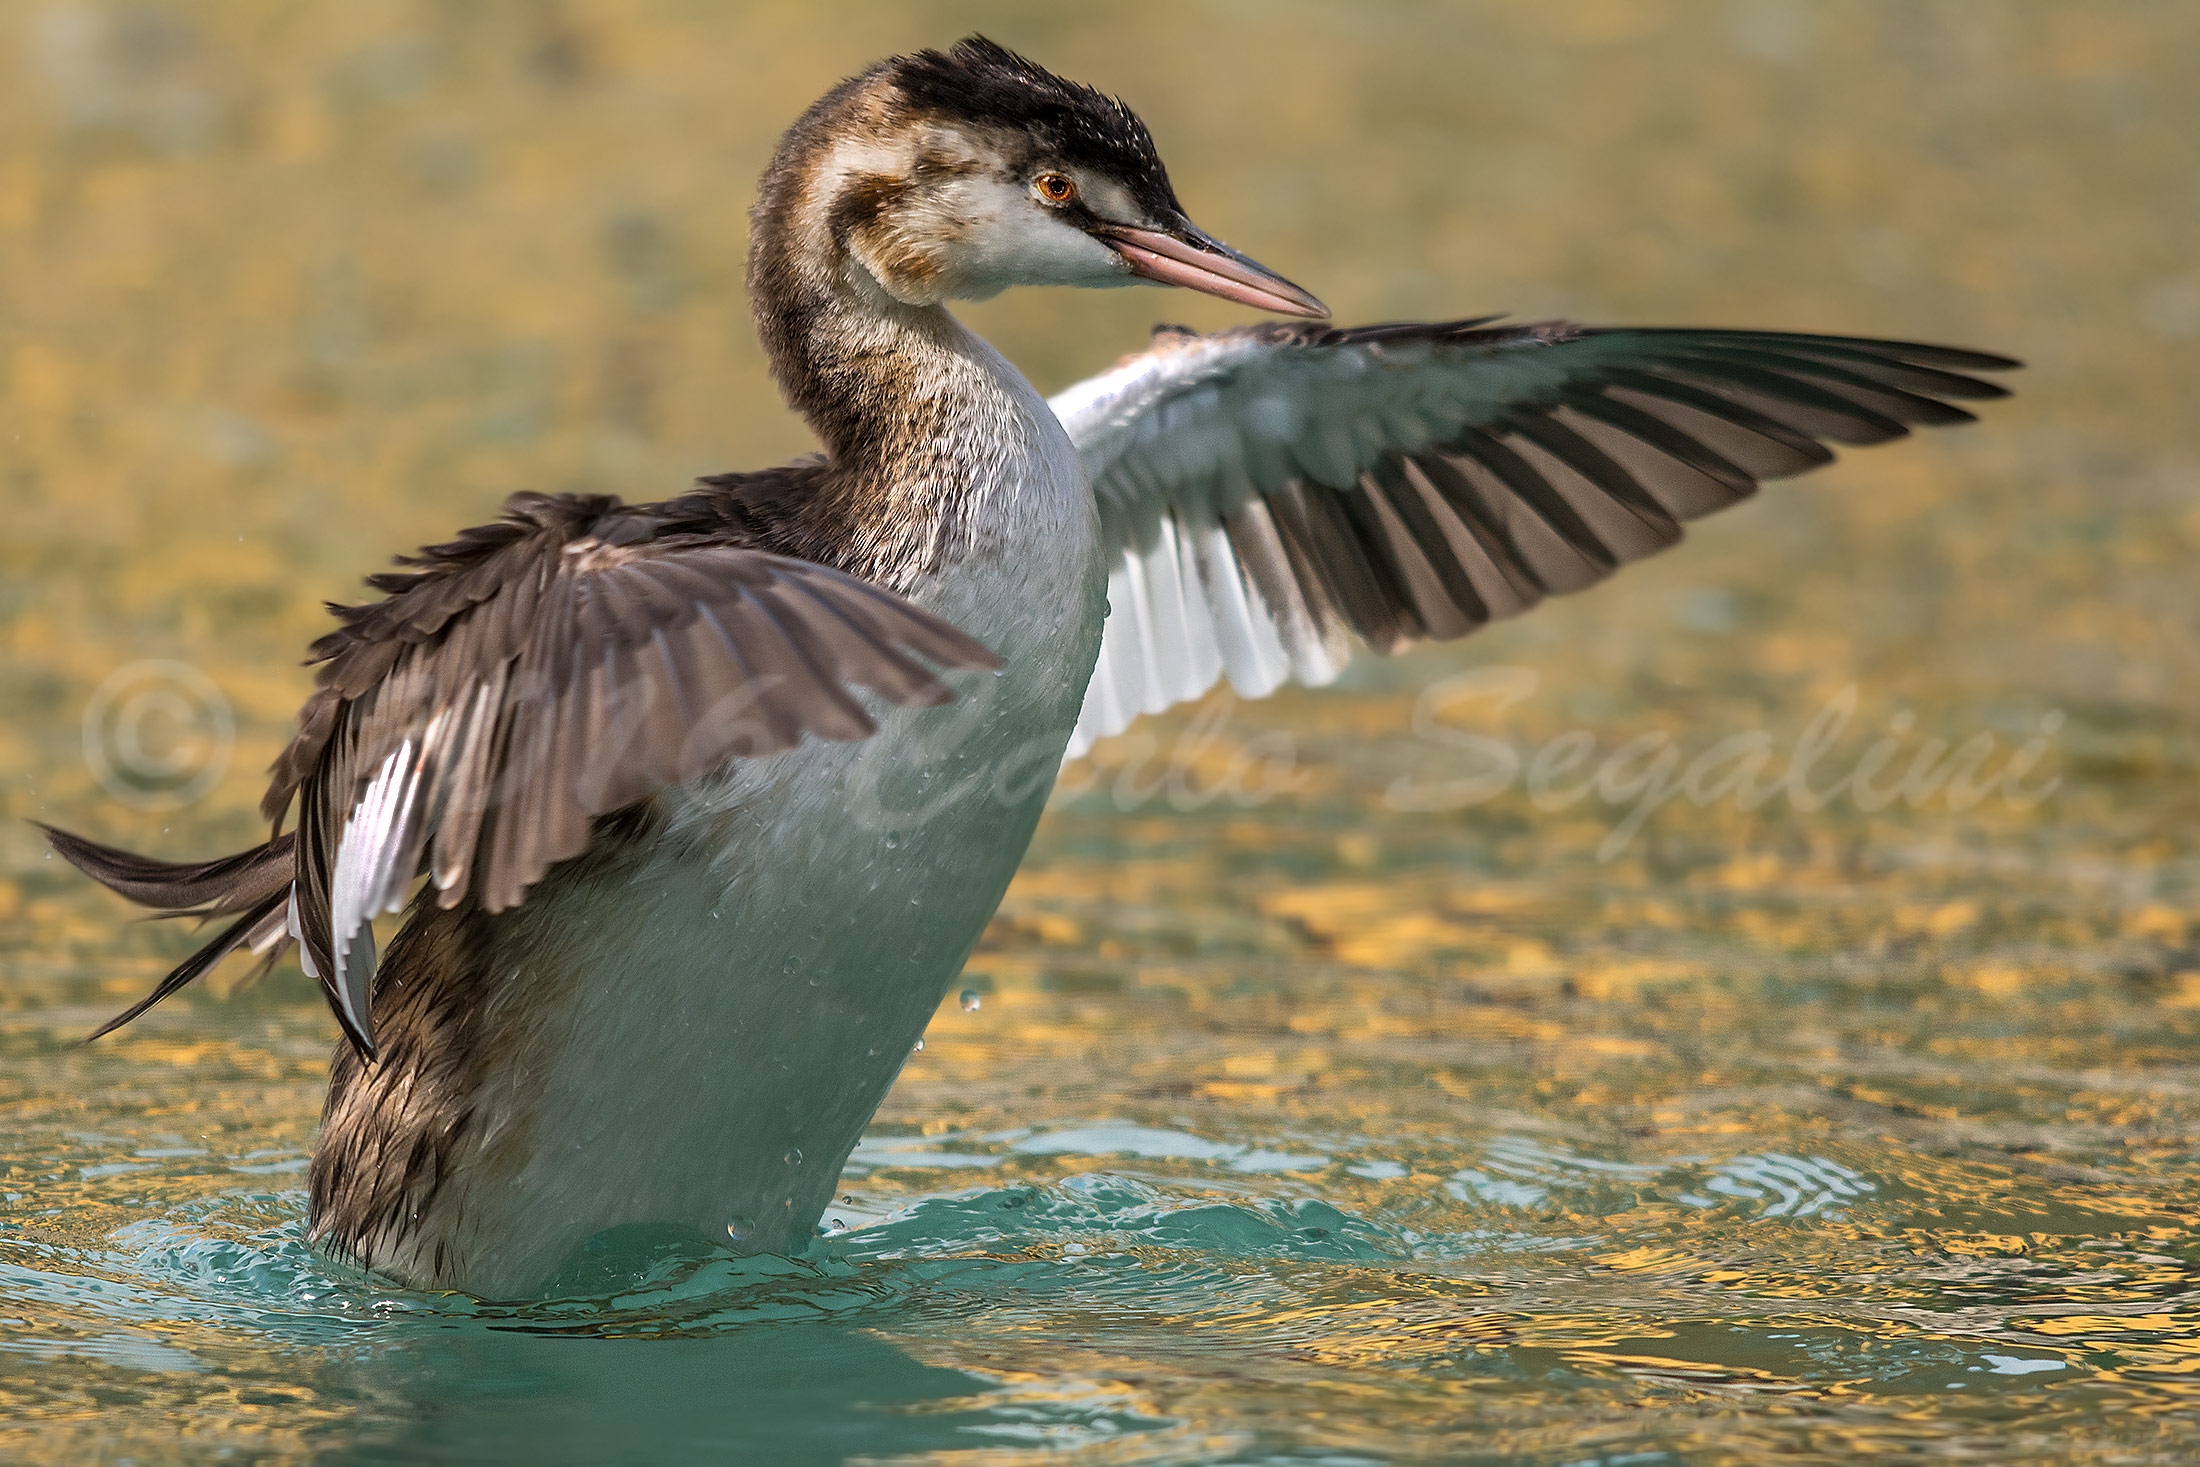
x,y
285,289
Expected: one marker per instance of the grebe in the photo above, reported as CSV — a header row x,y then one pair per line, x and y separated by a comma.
x,y
713,796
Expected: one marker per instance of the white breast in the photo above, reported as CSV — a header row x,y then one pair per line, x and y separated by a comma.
x,y
708,1030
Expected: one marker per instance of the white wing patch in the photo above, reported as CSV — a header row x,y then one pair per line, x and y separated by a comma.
x,y
1270,497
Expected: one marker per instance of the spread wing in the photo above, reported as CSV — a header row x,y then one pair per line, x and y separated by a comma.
x,y
1271,496
561,664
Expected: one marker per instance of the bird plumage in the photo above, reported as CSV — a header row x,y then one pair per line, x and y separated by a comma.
x,y
1272,496
703,802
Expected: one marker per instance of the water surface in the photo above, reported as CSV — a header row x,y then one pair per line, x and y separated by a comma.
x,y
1339,1089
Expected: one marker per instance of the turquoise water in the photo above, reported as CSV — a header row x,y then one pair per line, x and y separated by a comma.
x,y
1259,1208
1332,1095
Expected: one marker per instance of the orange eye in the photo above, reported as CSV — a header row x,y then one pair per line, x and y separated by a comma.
x,y
1055,188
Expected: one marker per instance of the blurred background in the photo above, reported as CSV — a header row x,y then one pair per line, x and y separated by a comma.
x,y
1787,1122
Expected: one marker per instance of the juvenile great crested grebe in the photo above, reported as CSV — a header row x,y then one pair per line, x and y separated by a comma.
x,y
702,846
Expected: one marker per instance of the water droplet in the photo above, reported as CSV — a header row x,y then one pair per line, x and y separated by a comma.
x,y
970,1000
847,1199
794,1157
919,1048
739,1226
893,839
835,1225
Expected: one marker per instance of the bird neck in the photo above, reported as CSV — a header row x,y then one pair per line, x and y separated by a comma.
x,y
917,416
876,378
912,410
875,375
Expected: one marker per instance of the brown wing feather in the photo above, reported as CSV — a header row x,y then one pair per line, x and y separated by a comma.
x,y
560,665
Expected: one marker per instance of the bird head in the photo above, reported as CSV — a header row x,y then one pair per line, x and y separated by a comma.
x,y
952,175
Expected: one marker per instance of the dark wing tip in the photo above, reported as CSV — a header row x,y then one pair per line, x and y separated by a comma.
x,y
1923,353
356,1034
227,941
1929,354
962,652
65,843
227,883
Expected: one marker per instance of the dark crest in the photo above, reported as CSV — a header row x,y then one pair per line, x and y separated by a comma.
x,y
979,81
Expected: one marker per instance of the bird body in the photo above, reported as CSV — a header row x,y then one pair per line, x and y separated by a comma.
x,y
691,1023
708,800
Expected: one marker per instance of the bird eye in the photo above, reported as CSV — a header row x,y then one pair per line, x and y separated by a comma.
x,y
1055,188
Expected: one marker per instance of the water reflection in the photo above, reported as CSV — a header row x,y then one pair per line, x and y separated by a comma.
x,y
794,1393
1293,1125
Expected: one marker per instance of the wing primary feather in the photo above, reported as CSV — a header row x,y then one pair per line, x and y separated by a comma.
x,y
1327,560
1585,459
1895,403
1720,408
1660,435
1926,381
316,848
1956,358
1305,623
1369,573
1426,610
353,987
227,941
1683,490
1814,409
1482,547
1491,527
193,888
1532,490
1388,478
